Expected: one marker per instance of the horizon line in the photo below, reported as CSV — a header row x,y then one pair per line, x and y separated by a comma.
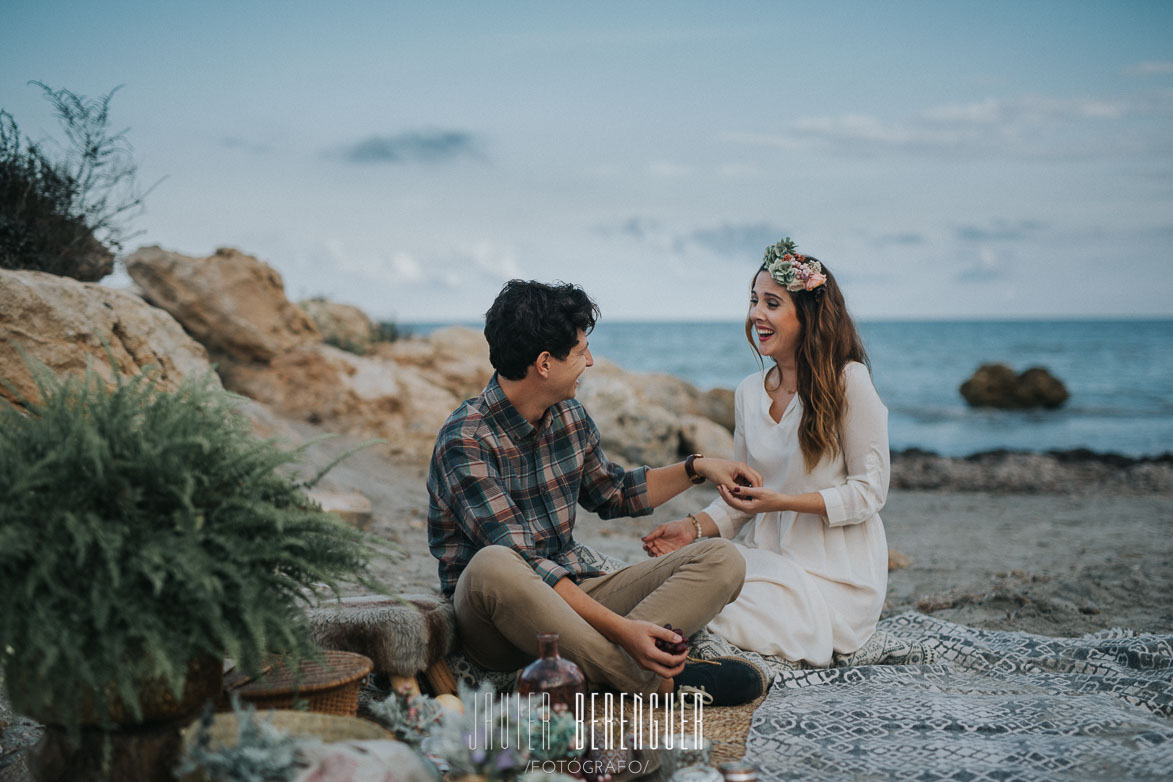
x,y
874,319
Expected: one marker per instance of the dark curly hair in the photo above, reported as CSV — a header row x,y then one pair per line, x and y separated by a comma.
x,y
528,317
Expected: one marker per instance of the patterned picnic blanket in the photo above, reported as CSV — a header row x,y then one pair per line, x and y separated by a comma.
x,y
993,706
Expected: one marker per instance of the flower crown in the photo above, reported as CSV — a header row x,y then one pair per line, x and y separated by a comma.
x,y
792,271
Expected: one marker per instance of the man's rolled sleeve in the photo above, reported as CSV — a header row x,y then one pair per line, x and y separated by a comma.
x,y
550,571
607,489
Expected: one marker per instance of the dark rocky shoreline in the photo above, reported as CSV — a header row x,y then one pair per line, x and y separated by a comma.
x,y
1075,471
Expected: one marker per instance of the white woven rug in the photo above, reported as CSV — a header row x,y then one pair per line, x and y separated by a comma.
x,y
994,706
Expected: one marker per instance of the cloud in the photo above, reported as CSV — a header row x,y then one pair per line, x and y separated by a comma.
x,y
637,228
479,263
417,146
1036,127
728,240
1151,68
236,142
405,268
985,267
738,171
492,261
905,239
668,170
732,240
1000,231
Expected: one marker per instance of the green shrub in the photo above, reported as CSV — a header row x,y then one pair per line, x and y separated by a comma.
x,y
141,529
389,331
67,216
349,345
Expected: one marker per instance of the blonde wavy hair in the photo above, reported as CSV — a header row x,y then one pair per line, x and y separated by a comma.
x,y
828,340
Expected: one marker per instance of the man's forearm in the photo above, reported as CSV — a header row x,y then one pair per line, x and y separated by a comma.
x,y
664,483
597,615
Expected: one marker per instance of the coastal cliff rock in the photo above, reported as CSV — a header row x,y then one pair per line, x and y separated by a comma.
x,y
232,303
653,418
348,393
716,404
997,385
633,430
340,325
700,435
62,323
272,351
455,358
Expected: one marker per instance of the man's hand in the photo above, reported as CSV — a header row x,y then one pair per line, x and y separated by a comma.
x,y
638,638
669,537
726,472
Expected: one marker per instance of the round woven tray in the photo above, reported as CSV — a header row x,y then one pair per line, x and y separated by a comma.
x,y
328,686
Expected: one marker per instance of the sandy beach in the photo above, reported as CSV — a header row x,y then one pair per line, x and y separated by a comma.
x,y
1053,563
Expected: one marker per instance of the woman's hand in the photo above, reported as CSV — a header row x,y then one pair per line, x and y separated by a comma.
x,y
669,537
726,472
753,499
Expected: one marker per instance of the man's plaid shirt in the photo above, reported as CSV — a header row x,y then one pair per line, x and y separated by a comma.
x,y
497,480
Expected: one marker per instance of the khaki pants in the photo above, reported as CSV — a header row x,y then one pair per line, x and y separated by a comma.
x,y
502,604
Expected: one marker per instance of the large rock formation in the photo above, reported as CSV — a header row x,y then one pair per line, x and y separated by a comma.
x,y
349,393
653,418
270,350
997,385
63,323
455,358
232,303
340,325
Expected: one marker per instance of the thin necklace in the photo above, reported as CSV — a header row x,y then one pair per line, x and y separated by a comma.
x,y
779,386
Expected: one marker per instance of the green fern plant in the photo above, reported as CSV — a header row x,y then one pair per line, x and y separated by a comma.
x,y
142,529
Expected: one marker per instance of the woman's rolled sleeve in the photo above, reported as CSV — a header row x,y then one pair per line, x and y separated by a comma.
x,y
865,451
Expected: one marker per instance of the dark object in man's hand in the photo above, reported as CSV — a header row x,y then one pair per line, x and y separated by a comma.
x,y
741,480
671,648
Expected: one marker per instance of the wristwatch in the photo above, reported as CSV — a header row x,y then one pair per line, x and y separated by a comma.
x,y
688,468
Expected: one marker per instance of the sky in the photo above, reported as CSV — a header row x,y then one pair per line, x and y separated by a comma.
x,y
945,159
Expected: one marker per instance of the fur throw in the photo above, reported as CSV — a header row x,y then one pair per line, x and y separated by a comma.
x,y
403,636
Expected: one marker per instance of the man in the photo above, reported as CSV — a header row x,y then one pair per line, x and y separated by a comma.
x,y
509,467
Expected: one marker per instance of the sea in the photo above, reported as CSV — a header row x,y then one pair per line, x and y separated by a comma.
x,y
1119,374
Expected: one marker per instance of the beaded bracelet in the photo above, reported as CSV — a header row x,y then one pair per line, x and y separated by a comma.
x,y
696,523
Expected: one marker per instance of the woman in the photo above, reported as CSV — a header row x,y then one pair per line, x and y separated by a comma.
x,y
814,427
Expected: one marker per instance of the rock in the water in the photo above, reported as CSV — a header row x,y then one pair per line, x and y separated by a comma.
x,y
232,303
997,385
340,325
1039,388
62,323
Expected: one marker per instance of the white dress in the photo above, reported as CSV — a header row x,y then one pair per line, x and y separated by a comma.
x,y
813,585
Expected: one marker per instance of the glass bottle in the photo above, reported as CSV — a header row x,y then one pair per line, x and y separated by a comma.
x,y
551,674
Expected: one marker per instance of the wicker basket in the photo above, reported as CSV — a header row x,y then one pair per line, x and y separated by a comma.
x,y
325,727
328,686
